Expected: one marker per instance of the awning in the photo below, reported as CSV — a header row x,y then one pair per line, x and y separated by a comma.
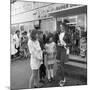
x,y
70,11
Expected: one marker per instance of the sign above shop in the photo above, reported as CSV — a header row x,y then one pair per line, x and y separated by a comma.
x,y
44,12
70,11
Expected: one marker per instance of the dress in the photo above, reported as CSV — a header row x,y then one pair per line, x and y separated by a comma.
x,y
61,49
50,49
36,54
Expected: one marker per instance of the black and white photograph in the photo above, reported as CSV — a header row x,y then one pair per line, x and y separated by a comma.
x,y
48,44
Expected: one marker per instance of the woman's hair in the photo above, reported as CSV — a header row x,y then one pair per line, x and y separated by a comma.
x,y
50,35
64,25
33,35
24,33
17,31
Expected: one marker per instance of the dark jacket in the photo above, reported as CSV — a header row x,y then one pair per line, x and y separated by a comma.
x,y
61,51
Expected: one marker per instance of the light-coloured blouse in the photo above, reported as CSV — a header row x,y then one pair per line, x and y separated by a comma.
x,y
61,36
36,54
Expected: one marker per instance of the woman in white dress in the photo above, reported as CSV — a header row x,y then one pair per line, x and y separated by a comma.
x,y
36,57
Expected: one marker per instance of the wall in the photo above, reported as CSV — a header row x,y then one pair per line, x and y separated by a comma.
x,y
23,11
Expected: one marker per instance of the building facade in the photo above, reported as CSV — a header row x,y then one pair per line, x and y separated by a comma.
x,y
32,12
27,14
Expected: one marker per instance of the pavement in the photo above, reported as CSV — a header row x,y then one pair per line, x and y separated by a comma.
x,y
20,75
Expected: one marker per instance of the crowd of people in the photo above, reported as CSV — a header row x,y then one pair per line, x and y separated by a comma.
x,y
42,48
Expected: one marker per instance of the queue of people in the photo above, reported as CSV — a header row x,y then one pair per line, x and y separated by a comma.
x,y
42,48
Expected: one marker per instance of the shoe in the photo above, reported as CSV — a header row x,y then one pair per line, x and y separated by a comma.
x,y
52,79
35,87
49,80
62,82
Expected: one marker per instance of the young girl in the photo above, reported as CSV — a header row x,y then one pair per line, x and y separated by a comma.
x,y
50,49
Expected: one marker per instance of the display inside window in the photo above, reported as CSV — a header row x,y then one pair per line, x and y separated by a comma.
x,y
78,33
75,40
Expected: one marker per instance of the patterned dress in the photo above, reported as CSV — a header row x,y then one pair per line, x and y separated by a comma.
x,y
50,49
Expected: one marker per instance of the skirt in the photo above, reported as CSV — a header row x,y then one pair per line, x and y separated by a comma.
x,y
50,58
61,54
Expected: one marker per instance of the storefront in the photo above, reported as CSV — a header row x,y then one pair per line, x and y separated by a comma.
x,y
76,17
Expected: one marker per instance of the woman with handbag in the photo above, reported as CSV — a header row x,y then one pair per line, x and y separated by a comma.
x,y
62,51
36,57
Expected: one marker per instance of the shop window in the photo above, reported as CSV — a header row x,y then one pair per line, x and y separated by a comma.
x,y
81,22
78,33
75,40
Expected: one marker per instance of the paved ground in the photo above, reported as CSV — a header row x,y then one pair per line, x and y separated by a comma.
x,y
20,74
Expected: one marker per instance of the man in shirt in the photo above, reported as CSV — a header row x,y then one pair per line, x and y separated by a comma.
x,y
16,38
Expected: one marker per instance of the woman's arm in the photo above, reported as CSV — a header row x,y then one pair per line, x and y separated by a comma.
x,y
61,39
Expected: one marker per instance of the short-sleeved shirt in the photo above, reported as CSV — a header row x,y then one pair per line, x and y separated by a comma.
x,y
17,40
